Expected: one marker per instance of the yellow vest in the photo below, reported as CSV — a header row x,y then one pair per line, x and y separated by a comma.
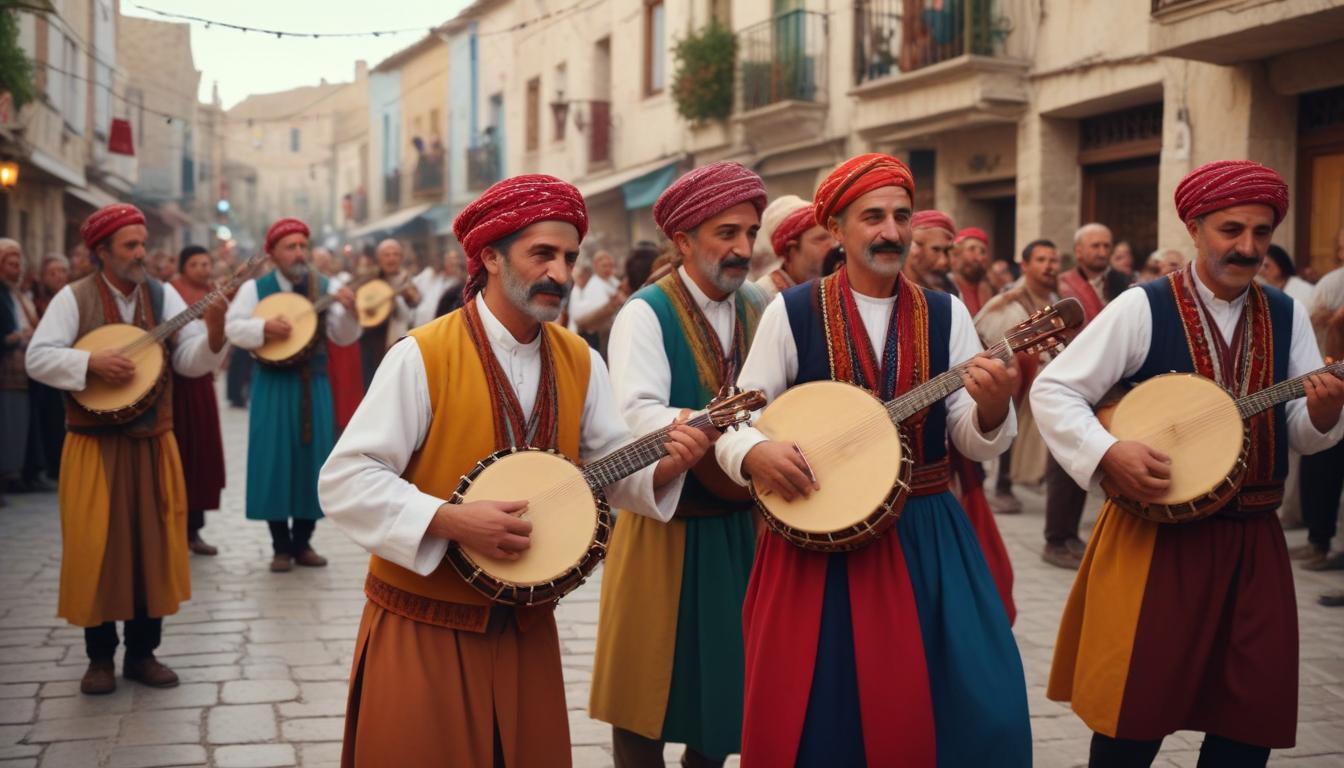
x,y
462,431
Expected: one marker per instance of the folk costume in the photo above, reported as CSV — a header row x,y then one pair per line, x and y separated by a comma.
x,y
909,629
16,315
441,676
764,260
196,419
668,664
345,370
122,494
1190,626
973,295
798,220
290,420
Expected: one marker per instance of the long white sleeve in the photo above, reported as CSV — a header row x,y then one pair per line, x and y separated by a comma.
x,y
963,421
640,374
244,330
342,327
50,359
191,347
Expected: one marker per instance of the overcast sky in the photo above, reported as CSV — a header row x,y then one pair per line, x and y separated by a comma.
x,y
247,63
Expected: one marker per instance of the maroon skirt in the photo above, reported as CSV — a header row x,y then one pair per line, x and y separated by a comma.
x,y
346,374
196,426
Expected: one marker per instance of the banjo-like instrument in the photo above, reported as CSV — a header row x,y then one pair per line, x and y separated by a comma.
x,y
303,316
858,452
373,300
121,403
571,522
1208,442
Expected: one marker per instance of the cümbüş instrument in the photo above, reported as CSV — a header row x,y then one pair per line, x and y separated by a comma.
x,y
1207,442
858,452
121,403
571,521
373,300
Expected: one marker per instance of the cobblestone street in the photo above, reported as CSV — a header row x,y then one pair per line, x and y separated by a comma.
x,y
264,657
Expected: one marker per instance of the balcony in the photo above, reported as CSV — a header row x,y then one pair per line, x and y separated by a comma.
x,y
483,167
926,66
781,74
599,134
1226,33
392,190
427,177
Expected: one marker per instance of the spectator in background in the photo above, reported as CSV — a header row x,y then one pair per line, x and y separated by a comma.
x,y
1122,259
1172,261
17,320
80,263
763,256
47,404
602,297
1000,276
441,272
639,265
1279,271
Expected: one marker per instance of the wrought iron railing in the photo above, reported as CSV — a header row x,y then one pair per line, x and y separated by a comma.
x,y
783,59
427,177
483,167
893,36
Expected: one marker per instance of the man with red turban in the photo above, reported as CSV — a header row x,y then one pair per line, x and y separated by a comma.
x,y
970,265
929,258
669,651
801,245
910,628
122,493
441,675
291,419
1189,627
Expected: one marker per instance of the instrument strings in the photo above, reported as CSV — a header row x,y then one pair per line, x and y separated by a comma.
x,y
163,330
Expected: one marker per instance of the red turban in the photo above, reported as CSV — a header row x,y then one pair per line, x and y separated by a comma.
x,y
858,176
510,206
1225,183
707,191
933,220
283,228
972,233
107,220
792,228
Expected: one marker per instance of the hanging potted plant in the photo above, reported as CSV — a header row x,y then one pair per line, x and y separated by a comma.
x,y
702,86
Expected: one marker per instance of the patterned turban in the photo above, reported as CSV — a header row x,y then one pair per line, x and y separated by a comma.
x,y
972,233
792,228
510,206
858,176
707,191
106,221
1225,183
931,219
283,228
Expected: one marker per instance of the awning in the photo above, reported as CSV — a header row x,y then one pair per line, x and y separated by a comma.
x,y
57,168
90,195
391,222
617,180
644,191
440,219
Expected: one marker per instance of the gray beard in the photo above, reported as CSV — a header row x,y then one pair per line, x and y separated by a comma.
x,y
519,294
714,269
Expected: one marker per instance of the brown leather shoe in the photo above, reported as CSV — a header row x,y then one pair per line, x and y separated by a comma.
x,y
1004,503
1060,556
149,671
1308,551
201,548
100,679
1076,546
310,559
281,564
1331,562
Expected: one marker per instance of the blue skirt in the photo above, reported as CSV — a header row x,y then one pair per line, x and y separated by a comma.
x,y
281,468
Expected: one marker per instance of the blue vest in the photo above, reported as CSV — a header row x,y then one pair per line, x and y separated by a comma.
x,y
809,336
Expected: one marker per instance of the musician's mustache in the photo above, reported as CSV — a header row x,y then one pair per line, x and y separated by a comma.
x,y
888,247
734,262
1239,260
549,287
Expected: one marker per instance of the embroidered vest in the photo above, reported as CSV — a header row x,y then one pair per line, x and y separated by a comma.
x,y
317,361
461,433
1178,346
95,313
808,322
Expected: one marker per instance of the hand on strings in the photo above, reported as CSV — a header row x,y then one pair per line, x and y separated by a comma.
x,y
991,384
277,328
111,366
492,528
347,299
685,446
1137,472
779,467
1325,400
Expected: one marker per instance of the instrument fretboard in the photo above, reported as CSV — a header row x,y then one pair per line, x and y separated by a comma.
x,y
167,328
1282,392
629,459
940,386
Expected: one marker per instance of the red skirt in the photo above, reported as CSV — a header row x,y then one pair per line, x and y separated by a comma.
x,y
196,425
347,380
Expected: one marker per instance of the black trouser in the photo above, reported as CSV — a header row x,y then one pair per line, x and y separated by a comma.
x,y
1064,502
630,750
195,522
1004,482
240,371
291,541
1321,480
142,637
1215,752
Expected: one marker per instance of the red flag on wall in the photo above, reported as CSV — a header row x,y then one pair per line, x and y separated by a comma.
x,y
119,137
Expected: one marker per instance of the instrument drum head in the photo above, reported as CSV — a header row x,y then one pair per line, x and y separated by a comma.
x,y
100,397
298,310
561,508
1192,420
373,302
852,445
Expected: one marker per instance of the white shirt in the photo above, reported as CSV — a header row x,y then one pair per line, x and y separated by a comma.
x,y
1300,290
52,361
361,488
248,332
1112,347
595,296
431,284
772,367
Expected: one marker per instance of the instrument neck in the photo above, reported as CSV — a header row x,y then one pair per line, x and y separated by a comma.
x,y
1258,402
629,459
939,387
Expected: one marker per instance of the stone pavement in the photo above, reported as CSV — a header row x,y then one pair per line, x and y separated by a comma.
x,y
264,658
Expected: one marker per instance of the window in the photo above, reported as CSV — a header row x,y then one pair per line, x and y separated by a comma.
x,y
533,114
293,139
655,47
561,117
76,88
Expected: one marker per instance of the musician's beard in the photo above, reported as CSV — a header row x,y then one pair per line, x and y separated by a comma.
x,y
972,273
297,272
134,272
716,270
883,267
521,293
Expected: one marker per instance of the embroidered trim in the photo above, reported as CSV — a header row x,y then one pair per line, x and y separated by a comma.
x,y
712,364
541,429
426,610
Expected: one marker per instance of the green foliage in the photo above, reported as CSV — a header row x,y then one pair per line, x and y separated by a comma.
x,y
16,69
702,86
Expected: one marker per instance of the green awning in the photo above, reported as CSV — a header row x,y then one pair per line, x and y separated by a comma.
x,y
643,192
